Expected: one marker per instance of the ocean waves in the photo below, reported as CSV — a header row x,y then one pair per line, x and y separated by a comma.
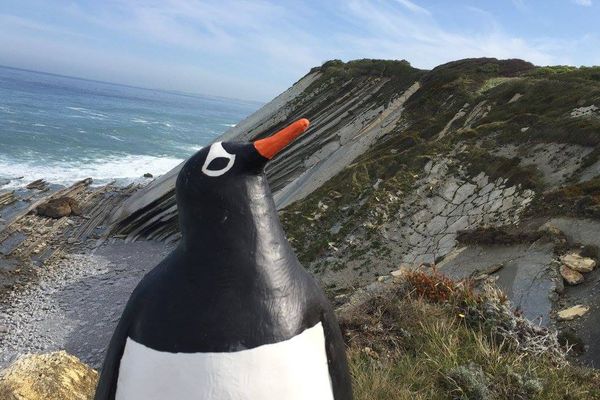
x,y
123,169
63,129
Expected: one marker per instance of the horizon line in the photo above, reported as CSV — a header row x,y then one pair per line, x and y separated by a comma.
x,y
170,91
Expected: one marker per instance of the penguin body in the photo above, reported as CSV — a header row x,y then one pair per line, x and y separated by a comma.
x,y
230,314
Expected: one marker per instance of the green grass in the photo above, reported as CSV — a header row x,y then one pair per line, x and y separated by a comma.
x,y
575,200
566,72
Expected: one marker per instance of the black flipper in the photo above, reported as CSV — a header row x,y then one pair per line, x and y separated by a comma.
x,y
336,356
107,384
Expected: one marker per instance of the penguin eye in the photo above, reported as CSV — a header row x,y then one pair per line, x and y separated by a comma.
x,y
218,164
218,161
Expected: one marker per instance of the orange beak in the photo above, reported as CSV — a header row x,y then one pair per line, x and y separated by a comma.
x,y
269,147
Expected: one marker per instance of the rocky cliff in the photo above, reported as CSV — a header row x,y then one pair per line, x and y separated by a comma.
x,y
481,167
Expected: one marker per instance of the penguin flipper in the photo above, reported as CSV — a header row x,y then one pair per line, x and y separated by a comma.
x,y
336,357
107,384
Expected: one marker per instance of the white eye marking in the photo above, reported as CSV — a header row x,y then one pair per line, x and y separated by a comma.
x,y
217,151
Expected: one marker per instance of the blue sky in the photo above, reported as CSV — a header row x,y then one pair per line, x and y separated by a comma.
x,y
256,49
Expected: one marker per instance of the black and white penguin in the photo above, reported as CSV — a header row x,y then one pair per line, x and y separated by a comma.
x,y
230,314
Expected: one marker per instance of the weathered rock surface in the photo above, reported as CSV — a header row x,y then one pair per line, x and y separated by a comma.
x,y
53,376
39,184
582,231
28,241
555,161
588,111
423,226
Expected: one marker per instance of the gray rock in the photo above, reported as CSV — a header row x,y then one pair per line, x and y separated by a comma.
x,y
463,193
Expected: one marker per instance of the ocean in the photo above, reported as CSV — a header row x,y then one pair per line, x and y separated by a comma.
x,y
64,129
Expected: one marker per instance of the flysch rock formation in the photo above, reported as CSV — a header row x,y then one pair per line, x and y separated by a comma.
x,y
30,238
346,119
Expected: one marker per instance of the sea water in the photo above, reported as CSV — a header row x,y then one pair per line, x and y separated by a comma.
x,y
64,129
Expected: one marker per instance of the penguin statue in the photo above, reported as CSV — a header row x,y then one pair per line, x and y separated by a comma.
x,y
230,314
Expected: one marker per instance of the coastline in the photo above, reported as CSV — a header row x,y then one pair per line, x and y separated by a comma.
x,y
30,242
62,285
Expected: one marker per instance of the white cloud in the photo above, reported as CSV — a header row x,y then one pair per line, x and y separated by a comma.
x,y
585,3
392,34
414,7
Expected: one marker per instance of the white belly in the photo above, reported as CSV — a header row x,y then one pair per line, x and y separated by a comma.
x,y
295,369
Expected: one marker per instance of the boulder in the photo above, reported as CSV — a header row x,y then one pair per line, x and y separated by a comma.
x,y
572,312
60,207
148,175
571,276
53,376
578,263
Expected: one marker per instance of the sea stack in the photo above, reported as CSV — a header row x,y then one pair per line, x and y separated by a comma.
x,y
230,313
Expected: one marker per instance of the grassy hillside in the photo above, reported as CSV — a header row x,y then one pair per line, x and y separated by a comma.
x,y
506,104
430,338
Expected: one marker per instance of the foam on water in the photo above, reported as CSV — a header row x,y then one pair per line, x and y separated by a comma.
x,y
124,169
88,112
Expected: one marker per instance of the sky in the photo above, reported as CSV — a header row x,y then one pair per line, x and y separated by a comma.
x,y
254,50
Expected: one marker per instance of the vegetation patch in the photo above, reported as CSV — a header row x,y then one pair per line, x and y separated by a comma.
x,y
544,108
478,160
447,88
359,198
566,72
576,200
463,346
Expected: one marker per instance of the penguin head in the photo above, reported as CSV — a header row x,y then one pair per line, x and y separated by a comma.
x,y
217,179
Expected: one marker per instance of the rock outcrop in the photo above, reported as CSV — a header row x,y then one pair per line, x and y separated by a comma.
x,y
578,263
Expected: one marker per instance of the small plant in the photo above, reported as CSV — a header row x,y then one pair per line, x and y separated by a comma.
x,y
435,287
468,382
